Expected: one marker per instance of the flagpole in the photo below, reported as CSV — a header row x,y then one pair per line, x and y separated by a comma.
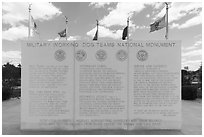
x,y
66,26
97,28
167,27
29,9
128,28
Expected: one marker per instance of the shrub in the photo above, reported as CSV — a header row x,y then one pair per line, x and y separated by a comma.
x,y
189,92
6,93
199,94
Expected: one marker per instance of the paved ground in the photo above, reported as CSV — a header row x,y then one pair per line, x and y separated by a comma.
x,y
191,116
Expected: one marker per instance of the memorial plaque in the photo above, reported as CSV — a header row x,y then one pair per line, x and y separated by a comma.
x,y
100,85
71,85
154,85
47,85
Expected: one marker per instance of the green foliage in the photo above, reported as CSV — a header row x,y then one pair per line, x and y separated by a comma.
x,y
200,73
9,71
189,92
6,93
199,92
10,78
185,77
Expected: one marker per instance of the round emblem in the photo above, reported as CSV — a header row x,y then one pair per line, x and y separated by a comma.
x,y
101,55
60,55
121,55
80,55
142,55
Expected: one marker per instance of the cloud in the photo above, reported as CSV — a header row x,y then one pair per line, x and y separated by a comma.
x,y
99,4
15,33
105,32
147,15
189,54
196,45
13,57
74,38
199,36
16,15
192,64
156,5
119,15
142,27
179,10
191,22
190,48
196,20
174,25
192,53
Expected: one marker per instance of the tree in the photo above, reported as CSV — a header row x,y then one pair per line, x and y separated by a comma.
x,y
185,77
10,74
200,73
10,77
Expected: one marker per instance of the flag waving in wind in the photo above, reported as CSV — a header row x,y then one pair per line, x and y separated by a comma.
x,y
125,33
62,33
159,24
33,26
96,35
33,23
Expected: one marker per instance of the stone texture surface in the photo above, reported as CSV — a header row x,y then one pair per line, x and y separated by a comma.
x,y
191,122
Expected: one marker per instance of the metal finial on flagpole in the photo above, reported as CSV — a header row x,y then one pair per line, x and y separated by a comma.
x,y
29,10
66,25
167,27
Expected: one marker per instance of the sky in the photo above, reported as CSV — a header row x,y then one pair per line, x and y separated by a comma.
x,y
185,24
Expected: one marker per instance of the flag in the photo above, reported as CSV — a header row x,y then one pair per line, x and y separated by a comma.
x,y
62,33
159,24
125,33
96,35
33,26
